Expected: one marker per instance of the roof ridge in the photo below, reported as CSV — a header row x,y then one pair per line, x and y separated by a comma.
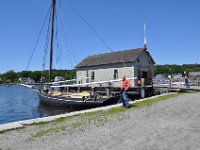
x,y
129,55
116,51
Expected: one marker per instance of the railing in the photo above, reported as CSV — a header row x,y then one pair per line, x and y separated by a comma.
x,y
176,82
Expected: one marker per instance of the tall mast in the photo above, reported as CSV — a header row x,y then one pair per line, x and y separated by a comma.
x,y
52,36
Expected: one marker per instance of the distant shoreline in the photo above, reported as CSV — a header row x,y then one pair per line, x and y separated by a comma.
x,y
4,84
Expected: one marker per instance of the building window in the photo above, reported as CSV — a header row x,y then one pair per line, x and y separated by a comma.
x,y
92,75
115,74
139,73
150,61
138,60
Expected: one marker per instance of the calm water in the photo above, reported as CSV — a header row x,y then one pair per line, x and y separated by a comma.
x,y
21,103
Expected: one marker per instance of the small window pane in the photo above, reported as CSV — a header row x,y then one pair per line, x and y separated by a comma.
x,y
116,74
92,75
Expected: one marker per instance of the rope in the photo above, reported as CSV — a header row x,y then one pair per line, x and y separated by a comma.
x,y
59,50
46,43
57,40
37,40
96,33
92,29
67,42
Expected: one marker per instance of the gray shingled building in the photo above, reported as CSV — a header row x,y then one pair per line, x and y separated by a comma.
x,y
109,66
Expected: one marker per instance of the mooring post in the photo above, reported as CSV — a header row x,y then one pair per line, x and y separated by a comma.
x,y
79,89
198,81
92,92
108,91
143,88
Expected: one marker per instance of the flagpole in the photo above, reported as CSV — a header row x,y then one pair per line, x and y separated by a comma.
x,y
145,41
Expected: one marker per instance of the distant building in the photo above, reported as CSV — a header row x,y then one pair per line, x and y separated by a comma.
x,y
26,80
31,81
178,76
23,80
42,79
109,66
194,75
160,77
59,78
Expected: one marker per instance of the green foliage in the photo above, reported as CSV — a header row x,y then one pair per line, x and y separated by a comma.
x,y
12,77
175,69
40,123
9,76
1,80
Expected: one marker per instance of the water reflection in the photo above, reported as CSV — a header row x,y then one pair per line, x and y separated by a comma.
x,y
21,103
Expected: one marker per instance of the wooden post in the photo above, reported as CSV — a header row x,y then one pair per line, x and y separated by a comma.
x,y
198,81
79,89
108,91
143,88
143,82
92,92
142,92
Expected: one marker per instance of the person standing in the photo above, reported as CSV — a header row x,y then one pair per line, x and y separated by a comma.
x,y
125,84
187,82
186,79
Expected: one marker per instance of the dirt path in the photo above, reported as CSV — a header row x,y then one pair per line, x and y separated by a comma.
x,y
168,125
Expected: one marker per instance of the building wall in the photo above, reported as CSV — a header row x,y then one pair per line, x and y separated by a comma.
x,y
106,72
144,64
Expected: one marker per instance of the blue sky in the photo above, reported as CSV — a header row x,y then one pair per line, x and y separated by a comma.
x,y
173,30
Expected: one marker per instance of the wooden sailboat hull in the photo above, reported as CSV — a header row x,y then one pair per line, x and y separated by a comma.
x,y
69,101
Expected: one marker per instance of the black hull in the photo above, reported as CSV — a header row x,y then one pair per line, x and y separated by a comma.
x,y
69,101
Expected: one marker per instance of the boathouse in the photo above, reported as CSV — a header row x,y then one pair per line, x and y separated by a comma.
x,y
110,66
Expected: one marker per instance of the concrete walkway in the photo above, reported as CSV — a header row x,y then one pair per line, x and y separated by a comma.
x,y
168,125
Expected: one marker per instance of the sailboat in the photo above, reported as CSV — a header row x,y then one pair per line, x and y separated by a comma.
x,y
93,93
64,97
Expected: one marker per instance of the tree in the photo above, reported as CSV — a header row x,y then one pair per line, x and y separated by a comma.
x,y
10,76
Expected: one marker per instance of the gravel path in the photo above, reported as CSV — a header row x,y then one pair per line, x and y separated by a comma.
x,y
168,125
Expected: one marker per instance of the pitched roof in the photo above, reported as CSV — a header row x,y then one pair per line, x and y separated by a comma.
x,y
112,58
